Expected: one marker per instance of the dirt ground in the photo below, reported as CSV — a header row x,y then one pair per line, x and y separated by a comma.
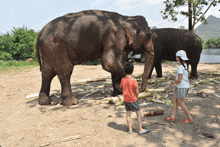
x,y
23,122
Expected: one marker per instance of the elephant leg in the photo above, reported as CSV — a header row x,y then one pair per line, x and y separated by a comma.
x,y
158,68
116,80
47,75
113,64
150,74
66,93
193,71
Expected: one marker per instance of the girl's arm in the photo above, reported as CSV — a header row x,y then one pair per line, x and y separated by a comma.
x,y
178,80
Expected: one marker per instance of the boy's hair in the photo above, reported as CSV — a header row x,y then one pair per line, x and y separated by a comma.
x,y
187,63
128,67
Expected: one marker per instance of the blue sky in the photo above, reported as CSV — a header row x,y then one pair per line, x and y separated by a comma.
x,y
36,13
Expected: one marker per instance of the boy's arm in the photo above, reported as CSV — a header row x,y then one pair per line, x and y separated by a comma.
x,y
136,92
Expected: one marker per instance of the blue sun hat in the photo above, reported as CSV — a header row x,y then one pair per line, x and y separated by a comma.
x,y
182,55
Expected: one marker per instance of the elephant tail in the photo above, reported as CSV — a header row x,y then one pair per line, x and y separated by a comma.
x,y
38,56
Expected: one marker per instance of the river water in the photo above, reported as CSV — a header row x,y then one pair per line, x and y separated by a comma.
x,y
210,56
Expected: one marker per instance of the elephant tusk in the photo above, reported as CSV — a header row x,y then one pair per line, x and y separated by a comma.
x,y
152,53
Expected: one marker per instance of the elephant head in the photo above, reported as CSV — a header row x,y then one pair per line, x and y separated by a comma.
x,y
139,38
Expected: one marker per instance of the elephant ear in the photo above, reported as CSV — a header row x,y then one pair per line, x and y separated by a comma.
x,y
129,31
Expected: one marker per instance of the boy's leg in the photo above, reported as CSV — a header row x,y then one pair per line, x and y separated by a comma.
x,y
184,108
128,118
139,121
175,106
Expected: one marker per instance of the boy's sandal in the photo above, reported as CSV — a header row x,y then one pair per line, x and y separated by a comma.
x,y
144,132
170,119
188,121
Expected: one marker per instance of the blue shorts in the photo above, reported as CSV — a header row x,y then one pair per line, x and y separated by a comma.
x,y
134,106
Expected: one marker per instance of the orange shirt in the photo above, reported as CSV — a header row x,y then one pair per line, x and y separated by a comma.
x,y
129,86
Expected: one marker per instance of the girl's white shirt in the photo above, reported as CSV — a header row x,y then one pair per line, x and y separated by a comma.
x,y
185,81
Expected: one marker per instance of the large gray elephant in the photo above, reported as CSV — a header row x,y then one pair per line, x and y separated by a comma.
x,y
76,38
168,41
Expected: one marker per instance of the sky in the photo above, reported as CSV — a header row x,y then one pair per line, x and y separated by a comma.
x,y
34,14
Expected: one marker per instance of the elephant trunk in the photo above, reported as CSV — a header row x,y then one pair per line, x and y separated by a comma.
x,y
149,60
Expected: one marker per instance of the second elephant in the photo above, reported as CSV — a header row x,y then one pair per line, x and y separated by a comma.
x,y
168,41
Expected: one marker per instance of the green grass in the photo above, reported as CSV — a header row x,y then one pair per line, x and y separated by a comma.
x,y
166,61
17,66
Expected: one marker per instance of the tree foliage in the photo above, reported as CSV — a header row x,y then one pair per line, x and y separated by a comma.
x,y
17,45
195,10
213,43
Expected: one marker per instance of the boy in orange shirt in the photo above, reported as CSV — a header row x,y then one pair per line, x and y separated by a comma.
x,y
130,92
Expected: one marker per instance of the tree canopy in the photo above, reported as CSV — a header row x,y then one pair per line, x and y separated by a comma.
x,y
195,11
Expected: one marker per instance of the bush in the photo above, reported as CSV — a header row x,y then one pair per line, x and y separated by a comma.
x,y
18,45
5,56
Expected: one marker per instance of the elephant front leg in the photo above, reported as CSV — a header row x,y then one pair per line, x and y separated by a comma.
x,y
66,93
117,89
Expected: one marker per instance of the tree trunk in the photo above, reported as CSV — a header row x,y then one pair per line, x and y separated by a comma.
x,y
190,17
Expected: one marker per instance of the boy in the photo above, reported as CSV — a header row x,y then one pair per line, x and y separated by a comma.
x,y
130,92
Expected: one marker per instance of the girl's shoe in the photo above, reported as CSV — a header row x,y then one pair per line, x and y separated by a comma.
x,y
170,119
189,121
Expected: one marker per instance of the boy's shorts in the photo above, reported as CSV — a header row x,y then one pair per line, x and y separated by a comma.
x,y
134,106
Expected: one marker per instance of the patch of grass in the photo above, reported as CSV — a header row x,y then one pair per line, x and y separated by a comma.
x,y
17,66
166,61
95,62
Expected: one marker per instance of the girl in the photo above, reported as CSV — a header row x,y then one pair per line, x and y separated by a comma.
x,y
182,87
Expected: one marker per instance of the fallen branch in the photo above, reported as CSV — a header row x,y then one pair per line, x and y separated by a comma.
x,y
32,95
89,94
64,140
98,80
82,84
119,100
212,93
153,113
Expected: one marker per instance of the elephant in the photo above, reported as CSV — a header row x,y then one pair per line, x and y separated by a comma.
x,y
167,41
75,38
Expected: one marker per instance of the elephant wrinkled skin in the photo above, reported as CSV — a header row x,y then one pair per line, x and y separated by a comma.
x,y
168,41
76,38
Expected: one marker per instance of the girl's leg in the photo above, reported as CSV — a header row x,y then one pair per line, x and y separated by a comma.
x,y
184,108
175,106
139,121
128,118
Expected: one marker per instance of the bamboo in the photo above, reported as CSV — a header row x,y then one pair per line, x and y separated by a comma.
x,y
156,90
156,101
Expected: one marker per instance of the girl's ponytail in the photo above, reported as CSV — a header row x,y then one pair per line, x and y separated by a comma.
x,y
187,64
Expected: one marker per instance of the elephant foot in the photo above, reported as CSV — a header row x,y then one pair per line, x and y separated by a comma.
x,y
159,76
44,100
69,101
115,93
193,77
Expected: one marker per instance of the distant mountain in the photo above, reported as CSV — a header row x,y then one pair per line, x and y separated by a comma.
x,y
212,29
